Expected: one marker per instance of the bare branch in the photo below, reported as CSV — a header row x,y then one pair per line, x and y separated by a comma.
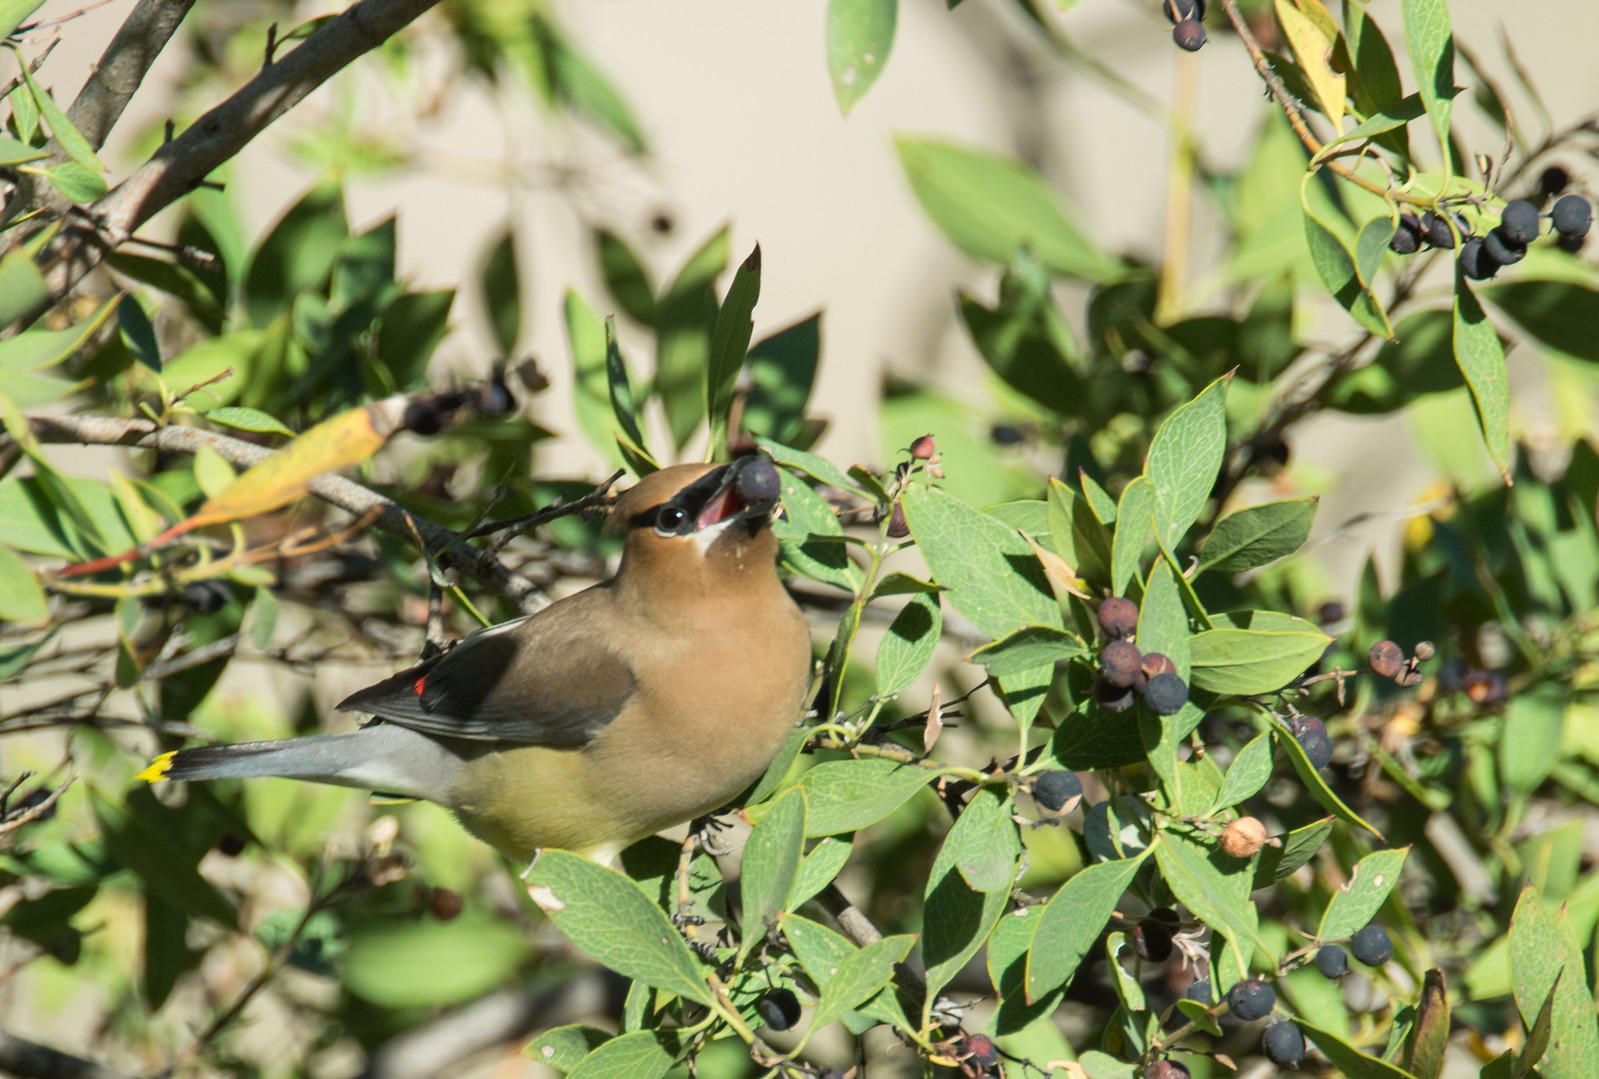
x,y
336,490
123,66
179,166
30,1060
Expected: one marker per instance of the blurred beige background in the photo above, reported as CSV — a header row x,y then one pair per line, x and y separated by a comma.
x,y
735,100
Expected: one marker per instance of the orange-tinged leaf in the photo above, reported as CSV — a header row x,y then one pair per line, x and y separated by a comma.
x,y
344,440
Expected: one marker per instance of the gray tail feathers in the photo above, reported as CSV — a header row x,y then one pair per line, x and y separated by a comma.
x,y
380,757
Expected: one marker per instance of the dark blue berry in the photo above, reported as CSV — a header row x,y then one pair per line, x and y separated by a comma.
x,y
1502,248
1372,946
1332,961
1284,1044
1053,790
1252,999
1474,263
1571,215
1519,222
1165,694
780,1009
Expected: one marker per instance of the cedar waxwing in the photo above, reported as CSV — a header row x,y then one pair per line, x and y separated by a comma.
x,y
632,706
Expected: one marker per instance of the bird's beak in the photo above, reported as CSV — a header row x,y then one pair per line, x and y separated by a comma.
x,y
746,491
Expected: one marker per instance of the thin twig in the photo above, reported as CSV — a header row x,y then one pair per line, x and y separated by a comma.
x,y
336,490
179,166
30,1060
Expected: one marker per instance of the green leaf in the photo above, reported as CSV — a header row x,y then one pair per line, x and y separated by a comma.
x,y
824,862
164,867
405,963
992,206
22,287
1007,970
860,34
66,135
1250,661
1257,536
1078,534
562,1048
1379,122
408,333
1216,887
298,254
1072,921
591,392
1432,56
623,405
1350,1062
625,278
1559,314
21,597
1336,268
843,796
1134,519
984,843
1185,457
730,340
813,465
1247,774
579,85
969,886
16,152
685,316
13,12
908,646
248,419
138,334
1544,947
1481,356
500,291
36,348
771,862
638,1055
811,539
1529,737
1028,649
858,977
1356,902
611,920
782,372
992,575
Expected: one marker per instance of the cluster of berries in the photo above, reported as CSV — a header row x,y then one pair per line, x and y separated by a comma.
x,y
1254,998
1186,17
1124,671
1388,660
1481,257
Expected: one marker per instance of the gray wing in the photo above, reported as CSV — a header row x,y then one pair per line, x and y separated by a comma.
x,y
536,680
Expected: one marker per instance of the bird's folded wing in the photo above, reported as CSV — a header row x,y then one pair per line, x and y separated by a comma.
x,y
532,682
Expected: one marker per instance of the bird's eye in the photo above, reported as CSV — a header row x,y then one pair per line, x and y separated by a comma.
x,y
670,518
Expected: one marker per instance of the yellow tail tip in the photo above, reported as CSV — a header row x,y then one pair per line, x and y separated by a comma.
x,y
158,768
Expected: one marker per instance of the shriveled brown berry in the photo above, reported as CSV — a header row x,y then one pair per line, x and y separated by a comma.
x,y
444,904
923,448
1119,662
1166,1069
1387,659
1189,35
897,528
979,1049
1118,616
1243,837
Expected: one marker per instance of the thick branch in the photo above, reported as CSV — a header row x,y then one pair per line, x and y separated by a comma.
x,y
336,490
180,165
29,1060
123,66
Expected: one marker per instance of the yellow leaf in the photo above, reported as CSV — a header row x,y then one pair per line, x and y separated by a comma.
x,y
1313,52
344,440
